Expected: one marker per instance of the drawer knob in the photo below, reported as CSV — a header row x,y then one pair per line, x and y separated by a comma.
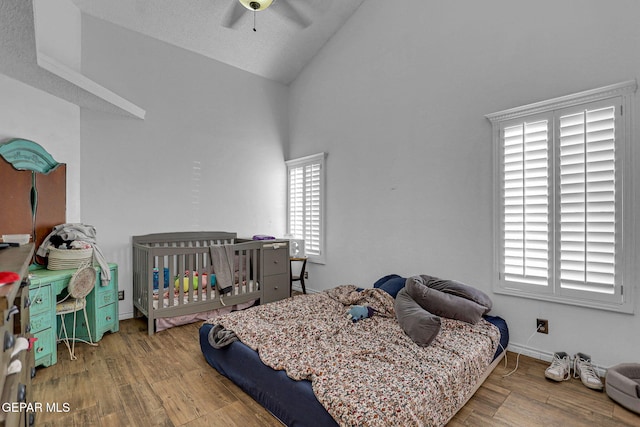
x,y
108,318
9,340
40,349
22,392
38,300
13,310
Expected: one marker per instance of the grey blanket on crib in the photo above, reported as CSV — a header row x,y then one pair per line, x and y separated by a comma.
x,y
222,257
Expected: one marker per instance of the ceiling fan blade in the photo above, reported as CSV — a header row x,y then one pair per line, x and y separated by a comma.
x,y
233,15
284,9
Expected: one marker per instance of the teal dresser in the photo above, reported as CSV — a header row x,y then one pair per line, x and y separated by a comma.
x,y
46,287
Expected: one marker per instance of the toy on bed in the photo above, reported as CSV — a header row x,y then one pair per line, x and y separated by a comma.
x,y
359,312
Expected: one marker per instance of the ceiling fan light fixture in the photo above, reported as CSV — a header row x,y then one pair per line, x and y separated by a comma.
x,y
256,5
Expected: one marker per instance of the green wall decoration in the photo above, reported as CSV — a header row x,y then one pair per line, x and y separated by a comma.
x,y
27,155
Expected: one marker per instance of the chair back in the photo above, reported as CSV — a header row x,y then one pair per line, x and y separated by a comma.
x,y
82,282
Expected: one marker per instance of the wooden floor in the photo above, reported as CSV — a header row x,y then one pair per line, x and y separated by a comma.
x,y
132,379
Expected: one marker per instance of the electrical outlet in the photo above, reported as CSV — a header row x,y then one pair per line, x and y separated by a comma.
x,y
306,274
542,326
120,295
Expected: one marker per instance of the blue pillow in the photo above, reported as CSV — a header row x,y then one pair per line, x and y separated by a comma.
x,y
391,284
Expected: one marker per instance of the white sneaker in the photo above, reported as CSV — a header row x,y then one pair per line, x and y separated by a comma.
x,y
583,369
560,368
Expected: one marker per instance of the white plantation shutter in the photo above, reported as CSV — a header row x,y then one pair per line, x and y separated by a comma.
x,y
296,202
564,199
526,203
305,203
588,200
312,204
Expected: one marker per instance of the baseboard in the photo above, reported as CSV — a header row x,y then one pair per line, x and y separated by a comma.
x,y
531,352
308,289
545,356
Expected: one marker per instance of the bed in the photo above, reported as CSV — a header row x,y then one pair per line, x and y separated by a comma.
x,y
367,372
175,279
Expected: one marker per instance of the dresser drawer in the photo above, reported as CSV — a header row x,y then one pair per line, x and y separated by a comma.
x,y
45,347
41,299
275,288
275,260
6,335
106,298
21,323
110,288
40,321
107,318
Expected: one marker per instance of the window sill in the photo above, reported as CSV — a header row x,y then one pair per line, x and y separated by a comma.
x,y
626,307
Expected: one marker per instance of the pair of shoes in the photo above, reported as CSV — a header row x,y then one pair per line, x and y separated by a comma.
x,y
560,368
583,369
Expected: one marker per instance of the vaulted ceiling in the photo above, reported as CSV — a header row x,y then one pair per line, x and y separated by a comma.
x,y
288,34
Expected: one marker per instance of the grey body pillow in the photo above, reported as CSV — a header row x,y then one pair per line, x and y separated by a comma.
x,y
456,288
420,325
444,304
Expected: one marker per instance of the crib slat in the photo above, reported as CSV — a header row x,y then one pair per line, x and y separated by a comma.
x,y
254,260
199,269
181,268
191,265
161,281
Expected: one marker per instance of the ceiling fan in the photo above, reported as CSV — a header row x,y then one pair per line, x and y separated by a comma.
x,y
284,8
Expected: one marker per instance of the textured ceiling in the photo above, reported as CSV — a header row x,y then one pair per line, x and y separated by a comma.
x,y
18,59
288,36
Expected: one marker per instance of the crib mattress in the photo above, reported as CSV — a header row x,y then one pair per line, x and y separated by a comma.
x,y
292,402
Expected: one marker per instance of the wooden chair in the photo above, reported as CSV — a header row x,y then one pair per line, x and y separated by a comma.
x,y
299,277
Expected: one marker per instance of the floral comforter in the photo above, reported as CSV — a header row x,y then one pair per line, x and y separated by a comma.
x,y
368,373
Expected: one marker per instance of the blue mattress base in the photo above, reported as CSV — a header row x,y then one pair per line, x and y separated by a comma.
x,y
292,402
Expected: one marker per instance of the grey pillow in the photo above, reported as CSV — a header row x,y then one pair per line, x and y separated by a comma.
x,y
421,326
444,304
456,288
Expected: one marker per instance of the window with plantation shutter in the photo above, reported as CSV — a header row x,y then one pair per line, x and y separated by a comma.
x,y
526,203
587,255
563,199
306,204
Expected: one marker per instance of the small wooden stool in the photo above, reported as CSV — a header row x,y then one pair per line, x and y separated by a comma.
x,y
300,277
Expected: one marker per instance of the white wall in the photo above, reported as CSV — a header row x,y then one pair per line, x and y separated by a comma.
x,y
58,31
208,156
398,98
29,113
